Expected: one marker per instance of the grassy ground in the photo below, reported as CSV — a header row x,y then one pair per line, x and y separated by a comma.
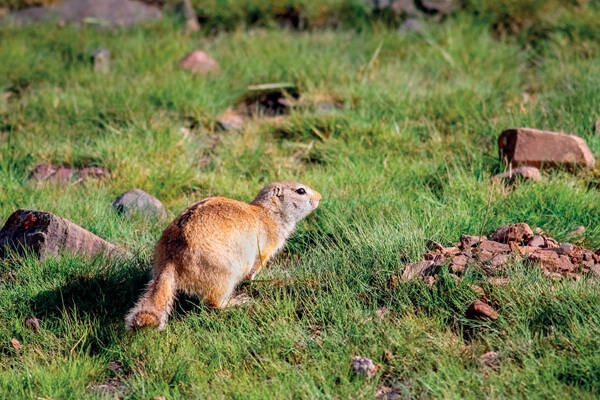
x,y
407,158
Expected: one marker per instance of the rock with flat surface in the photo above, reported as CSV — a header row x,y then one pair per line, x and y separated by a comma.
x,y
45,234
230,120
480,310
138,201
198,62
532,147
364,366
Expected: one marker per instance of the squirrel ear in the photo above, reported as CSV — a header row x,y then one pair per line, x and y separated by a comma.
x,y
278,192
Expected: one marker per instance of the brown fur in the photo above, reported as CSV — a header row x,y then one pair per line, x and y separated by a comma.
x,y
216,243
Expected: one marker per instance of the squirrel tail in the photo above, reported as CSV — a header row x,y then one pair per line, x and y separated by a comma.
x,y
154,306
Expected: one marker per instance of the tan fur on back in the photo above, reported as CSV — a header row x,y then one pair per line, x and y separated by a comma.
x,y
215,244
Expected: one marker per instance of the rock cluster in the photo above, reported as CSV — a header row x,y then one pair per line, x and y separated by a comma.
x,y
61,174
510,242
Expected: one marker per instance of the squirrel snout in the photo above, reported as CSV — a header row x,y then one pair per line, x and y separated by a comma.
x,y
316,196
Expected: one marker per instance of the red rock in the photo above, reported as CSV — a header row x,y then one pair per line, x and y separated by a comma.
x,y
468,241
16,345
551,261
490,360
458,263
364,366
498,261
536,241
524,172
488,249
60,174
512,233
46,234
480,310
230,120
198,62
532,147
417,269
33,324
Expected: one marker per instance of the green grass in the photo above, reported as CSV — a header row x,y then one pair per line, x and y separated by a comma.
x,y
407,158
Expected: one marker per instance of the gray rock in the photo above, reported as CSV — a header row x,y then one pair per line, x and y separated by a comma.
x,y
526,173
536,241
198,62
101,57
566,247
412,25
137,200
107,12
45,234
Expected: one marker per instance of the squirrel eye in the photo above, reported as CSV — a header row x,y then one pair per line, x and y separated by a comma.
x,y
301,191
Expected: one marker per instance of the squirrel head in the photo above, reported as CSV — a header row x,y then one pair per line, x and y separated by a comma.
x,y
290,201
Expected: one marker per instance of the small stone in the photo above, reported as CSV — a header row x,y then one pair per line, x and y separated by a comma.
x,y
60,174
490,360
417,269
115,367
480,310
498,261
382,312
566,247
101,57
596,269
458,264
450,251
551,262
136,200
488,249
532,147
468,241
16,345
230,120
429,280
33,324
364,366
198,62
524,172
498,281
536,241
512,233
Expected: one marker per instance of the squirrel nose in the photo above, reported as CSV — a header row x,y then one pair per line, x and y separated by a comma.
x,y
316,195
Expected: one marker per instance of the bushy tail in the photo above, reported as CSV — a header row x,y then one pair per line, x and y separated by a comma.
x,y
153,308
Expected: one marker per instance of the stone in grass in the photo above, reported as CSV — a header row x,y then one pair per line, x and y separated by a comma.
x,y
33,324
230,120
198,62
491,360
101,58
512,233
532,147
364,366
45,234
138,201
16,345
418,269
61,174
526,173
480,310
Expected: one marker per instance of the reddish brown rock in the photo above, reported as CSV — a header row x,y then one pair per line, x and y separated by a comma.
x,y
46,234
480,310
458,263
16,345
33,324
536,241
532,147
488,249
524,172
230,120
477,289
551,261
198,62
498,261
512,233
417,269
364,366
490,359
468,241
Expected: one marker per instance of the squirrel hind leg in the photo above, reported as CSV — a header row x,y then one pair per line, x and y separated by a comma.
x,y
154,306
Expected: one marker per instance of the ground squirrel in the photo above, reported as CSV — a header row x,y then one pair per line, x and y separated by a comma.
x,y
215,244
